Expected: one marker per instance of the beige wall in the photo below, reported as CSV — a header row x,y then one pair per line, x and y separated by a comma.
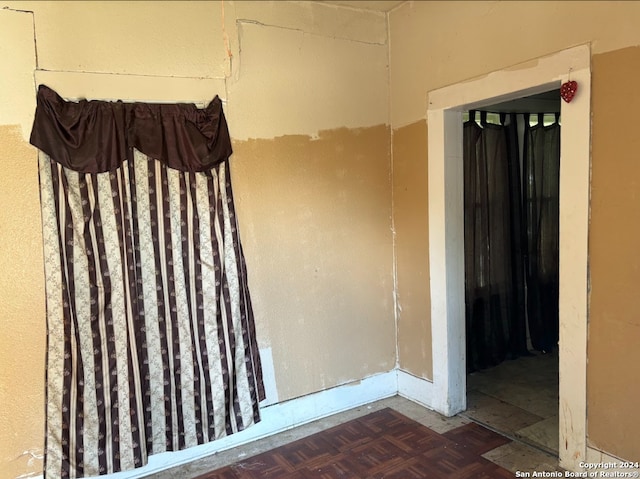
x,y
315,225
438,43
434,44
614,327
309,102
411,224
306,95
22,305
22,324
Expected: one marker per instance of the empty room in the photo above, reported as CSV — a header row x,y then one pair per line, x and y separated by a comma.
x,y
234,238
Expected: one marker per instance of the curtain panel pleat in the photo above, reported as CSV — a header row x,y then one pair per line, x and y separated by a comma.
x,y
495,329
97,136
151,343
542,213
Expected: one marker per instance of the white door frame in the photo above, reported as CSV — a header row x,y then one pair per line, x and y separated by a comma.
x,y
446,234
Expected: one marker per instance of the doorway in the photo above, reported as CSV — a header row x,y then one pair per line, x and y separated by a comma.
x,y
511,184
446,250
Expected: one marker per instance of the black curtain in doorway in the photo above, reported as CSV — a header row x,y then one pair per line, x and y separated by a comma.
x,y
510,229
542,214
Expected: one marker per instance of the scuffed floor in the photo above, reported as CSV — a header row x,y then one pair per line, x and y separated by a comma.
x,y
382,444
510,455
518,398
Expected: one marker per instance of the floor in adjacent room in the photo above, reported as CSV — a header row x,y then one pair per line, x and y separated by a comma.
x,y
391,438
518,398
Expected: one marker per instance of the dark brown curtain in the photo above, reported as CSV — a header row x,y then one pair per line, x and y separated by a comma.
x,y
542,210
151,343
494,289
511,238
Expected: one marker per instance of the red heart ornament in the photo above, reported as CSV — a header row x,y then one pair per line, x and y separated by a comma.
x,y
568,90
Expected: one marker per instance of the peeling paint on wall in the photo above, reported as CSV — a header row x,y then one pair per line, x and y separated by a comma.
x,y
315,83
307,104
315,230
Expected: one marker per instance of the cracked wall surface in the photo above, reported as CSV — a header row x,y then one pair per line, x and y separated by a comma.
x,y
305,92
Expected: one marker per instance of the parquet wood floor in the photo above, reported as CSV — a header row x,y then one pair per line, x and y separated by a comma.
x,y
383,444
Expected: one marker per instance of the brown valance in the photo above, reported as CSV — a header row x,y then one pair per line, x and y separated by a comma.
x,y
97,136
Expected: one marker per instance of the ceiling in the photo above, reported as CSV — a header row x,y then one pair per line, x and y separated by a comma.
x,y
378,5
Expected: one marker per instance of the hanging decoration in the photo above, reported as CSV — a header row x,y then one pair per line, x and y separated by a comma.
x,y
568,89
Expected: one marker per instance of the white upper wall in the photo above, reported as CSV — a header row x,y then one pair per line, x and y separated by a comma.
x,y
315,83
296,67
17,63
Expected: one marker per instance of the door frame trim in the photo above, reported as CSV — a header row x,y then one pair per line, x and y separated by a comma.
x,y
446,232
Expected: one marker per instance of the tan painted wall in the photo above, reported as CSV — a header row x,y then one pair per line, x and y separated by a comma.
x,y
614,327
297,74
316,233
411,215
22,308
306,96
434,44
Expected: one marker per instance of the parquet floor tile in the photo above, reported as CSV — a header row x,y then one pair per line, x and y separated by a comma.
x,y
381,445
476,438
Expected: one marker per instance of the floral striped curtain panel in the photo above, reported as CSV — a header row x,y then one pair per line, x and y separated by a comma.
x,y
151,343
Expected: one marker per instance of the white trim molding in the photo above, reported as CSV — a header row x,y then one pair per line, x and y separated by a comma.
x,y
416,389
446,256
